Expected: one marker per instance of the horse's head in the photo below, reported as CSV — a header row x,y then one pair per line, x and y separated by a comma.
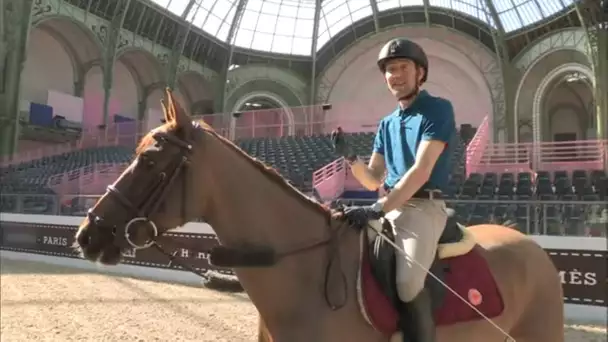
x,y
154,194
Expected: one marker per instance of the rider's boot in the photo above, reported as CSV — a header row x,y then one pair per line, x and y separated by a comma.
x,y
419,317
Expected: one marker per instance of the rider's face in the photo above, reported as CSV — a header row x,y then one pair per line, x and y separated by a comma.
x,y
402,76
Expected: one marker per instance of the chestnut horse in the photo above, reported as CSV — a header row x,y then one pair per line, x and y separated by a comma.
x,y
311,287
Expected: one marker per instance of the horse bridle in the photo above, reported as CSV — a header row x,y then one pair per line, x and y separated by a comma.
x,y
152,202
156,198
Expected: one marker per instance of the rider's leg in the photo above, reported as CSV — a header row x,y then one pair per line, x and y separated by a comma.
x,y
417,231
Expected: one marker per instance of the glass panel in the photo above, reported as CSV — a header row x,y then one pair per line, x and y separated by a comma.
x,y
244,38
216,23
550,7
338,15
262,41
301,46
473,8
177,6
282,44
530,13
510,20
274,25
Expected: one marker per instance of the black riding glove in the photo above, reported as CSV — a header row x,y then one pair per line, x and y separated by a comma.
x,y
341,146
359,216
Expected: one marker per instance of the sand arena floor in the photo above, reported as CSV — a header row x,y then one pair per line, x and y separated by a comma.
x,y
40,302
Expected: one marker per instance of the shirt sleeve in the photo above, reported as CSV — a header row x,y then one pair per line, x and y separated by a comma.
x,y
379,139
441,125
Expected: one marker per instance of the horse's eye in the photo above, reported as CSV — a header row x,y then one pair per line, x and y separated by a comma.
x,y
145,160
148,161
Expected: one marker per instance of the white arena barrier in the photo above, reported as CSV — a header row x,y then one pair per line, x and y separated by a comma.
x,y
581,261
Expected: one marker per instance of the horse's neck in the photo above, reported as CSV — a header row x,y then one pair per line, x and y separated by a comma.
x,y
251,207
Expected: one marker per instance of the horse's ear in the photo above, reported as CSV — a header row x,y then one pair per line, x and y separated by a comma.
x,y
175,111
167,114
204,124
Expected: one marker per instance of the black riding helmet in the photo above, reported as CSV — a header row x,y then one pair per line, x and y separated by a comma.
x,y
403,48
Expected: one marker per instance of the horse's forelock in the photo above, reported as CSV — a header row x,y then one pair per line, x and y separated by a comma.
x,y
148,139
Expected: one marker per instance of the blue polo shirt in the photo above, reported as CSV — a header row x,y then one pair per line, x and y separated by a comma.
x,y
400,133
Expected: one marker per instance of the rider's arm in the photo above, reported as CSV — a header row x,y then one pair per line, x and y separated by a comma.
x,y
437,132
371,175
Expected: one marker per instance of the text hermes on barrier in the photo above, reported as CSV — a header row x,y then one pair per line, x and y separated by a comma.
x,y
183,253
574,277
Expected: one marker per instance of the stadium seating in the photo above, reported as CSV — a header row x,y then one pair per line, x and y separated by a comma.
x,y
294,157
580,185
298,157
31,178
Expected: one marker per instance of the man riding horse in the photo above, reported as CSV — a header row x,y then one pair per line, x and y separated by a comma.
x,y
178,175
413,144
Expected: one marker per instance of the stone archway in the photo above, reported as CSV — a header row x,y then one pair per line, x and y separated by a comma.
x,y
198,90
263,95
541,92
148,75
80,43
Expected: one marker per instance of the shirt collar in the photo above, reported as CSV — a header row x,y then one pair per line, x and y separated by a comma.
x,y
414,105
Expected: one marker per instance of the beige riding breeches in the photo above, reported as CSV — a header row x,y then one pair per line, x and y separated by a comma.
x,y
417,227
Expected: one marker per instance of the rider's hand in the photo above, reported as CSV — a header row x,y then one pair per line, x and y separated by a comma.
x,y
341,146
359,216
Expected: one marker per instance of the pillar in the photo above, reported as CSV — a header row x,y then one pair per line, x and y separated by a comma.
x,y
601,77
109,54
15,22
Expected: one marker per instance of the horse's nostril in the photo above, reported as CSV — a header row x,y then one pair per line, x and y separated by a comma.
x,y
84,238
88,242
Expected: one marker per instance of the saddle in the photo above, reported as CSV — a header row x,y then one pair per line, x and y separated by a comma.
x,y
382,258
457,263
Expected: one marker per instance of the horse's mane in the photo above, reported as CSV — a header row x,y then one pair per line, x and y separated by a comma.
x,y
266,170
270,172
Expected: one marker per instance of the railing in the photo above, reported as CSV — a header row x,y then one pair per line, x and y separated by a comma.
x,y
558,218
89,180
329,180
552,156
497,158
298,121
117,134
477,146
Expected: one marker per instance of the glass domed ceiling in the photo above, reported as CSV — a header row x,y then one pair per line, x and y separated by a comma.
x,y
286,26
